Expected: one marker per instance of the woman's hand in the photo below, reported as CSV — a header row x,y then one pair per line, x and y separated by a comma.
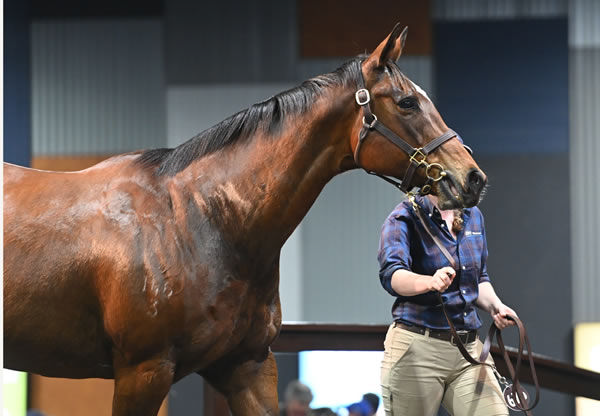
x,y
441,279
499,315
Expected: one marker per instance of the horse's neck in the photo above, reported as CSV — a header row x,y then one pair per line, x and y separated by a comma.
x,y
262,188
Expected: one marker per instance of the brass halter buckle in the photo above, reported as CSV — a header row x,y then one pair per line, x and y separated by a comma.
x,y
419,158
418,153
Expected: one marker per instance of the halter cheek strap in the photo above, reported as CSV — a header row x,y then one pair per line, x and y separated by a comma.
x,y
433,171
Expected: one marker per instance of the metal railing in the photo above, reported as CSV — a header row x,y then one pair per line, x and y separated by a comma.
x,y
552,374
300,336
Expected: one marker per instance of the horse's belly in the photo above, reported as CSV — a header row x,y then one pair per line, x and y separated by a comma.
x,y
66,355
38,362
53,330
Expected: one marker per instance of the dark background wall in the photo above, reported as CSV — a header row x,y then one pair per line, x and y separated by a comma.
x,y
17,87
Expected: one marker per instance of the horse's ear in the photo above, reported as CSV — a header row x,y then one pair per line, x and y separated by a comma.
x,y
390,48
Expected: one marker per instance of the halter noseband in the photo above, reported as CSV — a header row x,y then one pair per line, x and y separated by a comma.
x,y
433,171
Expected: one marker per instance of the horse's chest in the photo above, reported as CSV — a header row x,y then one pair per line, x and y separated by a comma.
x,y
252,321
235,317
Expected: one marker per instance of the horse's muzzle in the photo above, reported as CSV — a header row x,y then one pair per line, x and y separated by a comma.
x,y
452,194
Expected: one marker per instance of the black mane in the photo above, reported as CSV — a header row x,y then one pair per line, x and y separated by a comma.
x,y
268,115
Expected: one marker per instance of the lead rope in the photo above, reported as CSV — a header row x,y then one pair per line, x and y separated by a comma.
x,y
514,394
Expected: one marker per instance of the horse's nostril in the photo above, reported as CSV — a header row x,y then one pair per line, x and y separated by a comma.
x,y
476,180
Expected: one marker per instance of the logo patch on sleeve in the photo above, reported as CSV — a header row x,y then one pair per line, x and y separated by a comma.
x,y
468,233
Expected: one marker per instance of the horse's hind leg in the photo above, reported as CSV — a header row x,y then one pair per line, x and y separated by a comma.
x,y
141,388
250,387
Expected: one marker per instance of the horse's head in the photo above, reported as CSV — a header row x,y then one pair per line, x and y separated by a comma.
x,y
400,133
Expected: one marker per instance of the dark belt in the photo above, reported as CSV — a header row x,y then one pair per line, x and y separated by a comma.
x,y
443,334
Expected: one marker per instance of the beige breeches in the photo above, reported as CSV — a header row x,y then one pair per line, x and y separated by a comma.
x,y
418,373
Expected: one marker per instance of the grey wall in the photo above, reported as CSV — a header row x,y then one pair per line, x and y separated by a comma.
x,y
223,42
463,10
529,239
584,89
340,240
97,86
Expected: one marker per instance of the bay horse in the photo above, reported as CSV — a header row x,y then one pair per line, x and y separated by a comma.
x,y
157,264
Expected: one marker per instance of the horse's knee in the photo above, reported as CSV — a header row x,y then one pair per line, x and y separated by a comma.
x,y
140,389
250,387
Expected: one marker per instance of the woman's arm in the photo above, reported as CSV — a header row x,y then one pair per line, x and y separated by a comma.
x,y
490,302
407,283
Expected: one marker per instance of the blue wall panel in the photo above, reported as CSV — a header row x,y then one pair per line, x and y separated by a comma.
x,y
503,85
17,126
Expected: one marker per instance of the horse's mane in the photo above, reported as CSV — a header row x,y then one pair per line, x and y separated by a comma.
x,y
268,115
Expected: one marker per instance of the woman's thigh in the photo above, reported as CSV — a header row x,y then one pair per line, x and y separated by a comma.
x,y
411,380
474,390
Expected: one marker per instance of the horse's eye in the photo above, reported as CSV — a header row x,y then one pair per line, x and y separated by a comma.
x,y
409,103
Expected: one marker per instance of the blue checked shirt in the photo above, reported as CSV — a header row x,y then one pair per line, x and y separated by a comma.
x,y
405,244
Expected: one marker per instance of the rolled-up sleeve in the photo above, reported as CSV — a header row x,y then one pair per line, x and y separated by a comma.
x,y
394,249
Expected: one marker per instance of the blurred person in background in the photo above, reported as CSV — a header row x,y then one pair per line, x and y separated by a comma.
x,y
322,411
373,401
366,407
297,399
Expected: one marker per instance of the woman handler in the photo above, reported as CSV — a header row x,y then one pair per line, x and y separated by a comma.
x,y
422,367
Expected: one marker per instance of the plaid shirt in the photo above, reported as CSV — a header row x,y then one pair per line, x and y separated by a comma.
x,y
405,244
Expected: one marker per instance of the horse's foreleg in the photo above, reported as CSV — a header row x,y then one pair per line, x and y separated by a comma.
x,y
250,387
140,389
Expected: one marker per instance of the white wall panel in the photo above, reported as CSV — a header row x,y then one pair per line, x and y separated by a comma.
x,y
97,86
192,109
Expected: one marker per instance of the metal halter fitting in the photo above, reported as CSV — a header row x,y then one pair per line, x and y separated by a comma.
x,y
433,171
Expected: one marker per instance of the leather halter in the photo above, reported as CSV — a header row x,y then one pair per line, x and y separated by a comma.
x,y
418,155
